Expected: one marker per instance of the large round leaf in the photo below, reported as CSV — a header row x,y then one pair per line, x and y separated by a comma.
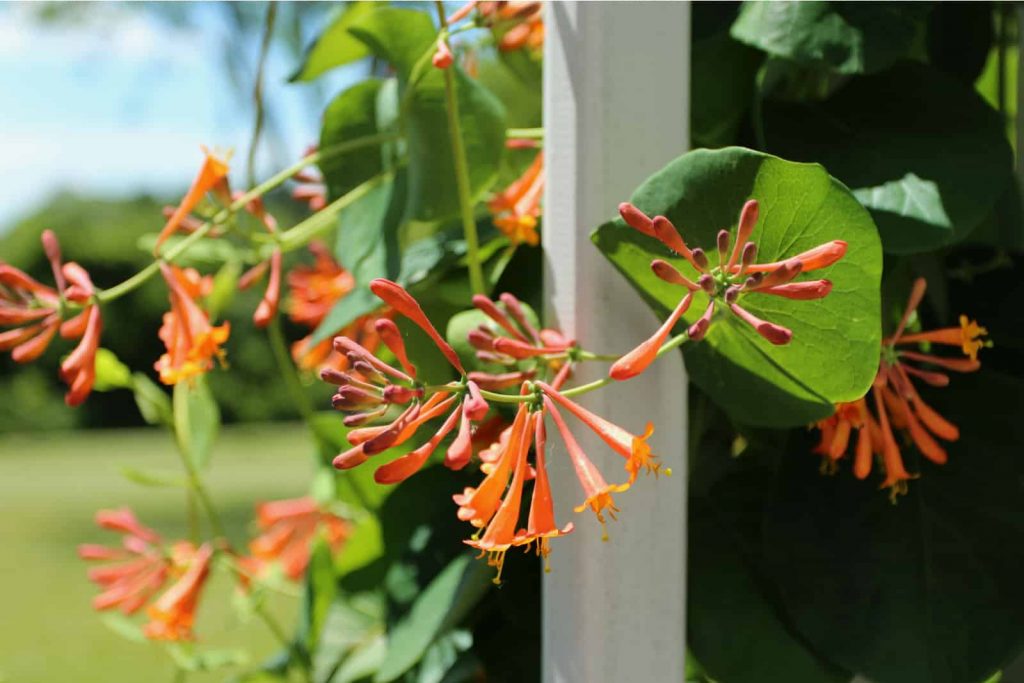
x,y
834,353
928,590
922,151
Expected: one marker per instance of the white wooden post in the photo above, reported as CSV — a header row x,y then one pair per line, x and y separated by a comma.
x,y
616,91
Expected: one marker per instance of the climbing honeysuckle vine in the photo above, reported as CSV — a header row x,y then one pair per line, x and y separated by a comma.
x,y
404,314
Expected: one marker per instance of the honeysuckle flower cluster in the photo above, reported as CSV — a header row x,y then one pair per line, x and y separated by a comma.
x,y
135,572
515,25
517,208
387,406
727,275
314,290
287,529
34,314
167,578
898,407
192,342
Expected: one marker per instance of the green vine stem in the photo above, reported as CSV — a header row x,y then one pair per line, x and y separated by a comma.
x,y
476,273
526,133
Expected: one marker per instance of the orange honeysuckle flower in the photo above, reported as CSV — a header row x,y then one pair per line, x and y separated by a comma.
x,y
500,532
516,24
735,276
517,209
478,505
31,310
597,491
287,530
192,342
897,403
541,526
212,176
633,447
134,572
369,388
395,296
267,308
443,57
510,337
172,615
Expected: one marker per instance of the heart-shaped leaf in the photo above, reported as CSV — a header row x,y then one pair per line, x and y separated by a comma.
x,y
833,356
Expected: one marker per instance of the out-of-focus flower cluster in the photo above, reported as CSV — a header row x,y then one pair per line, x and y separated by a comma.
x,y
895,405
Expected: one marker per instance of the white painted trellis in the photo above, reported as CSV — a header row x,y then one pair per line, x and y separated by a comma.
x,y
616,90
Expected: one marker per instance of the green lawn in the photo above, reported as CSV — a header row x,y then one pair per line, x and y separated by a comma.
x,y
50,486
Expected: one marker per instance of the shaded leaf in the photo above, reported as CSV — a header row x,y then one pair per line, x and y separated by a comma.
x,y
196,420
153,402
349,116
923,152
845,37
443,604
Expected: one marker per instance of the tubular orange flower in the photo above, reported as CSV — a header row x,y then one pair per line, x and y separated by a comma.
x,y
134,572
541,526
191,341
287,530
633,447
500,534
597,491
478,505
395,296
735,276
517,209
212,176
267,308
173,613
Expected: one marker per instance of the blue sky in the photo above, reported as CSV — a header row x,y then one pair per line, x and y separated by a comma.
x,y
119,101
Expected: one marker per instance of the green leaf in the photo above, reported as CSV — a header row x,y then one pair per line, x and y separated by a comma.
x,y
187,658
335,46
924,591
433,192
318,596
801,207
351,625
443,605
364,661
845,37
405,38
720,103
734,627
923,152
368,249
446,660
351,115
196,420
153,402
225,285
123,626
152,479
111,373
